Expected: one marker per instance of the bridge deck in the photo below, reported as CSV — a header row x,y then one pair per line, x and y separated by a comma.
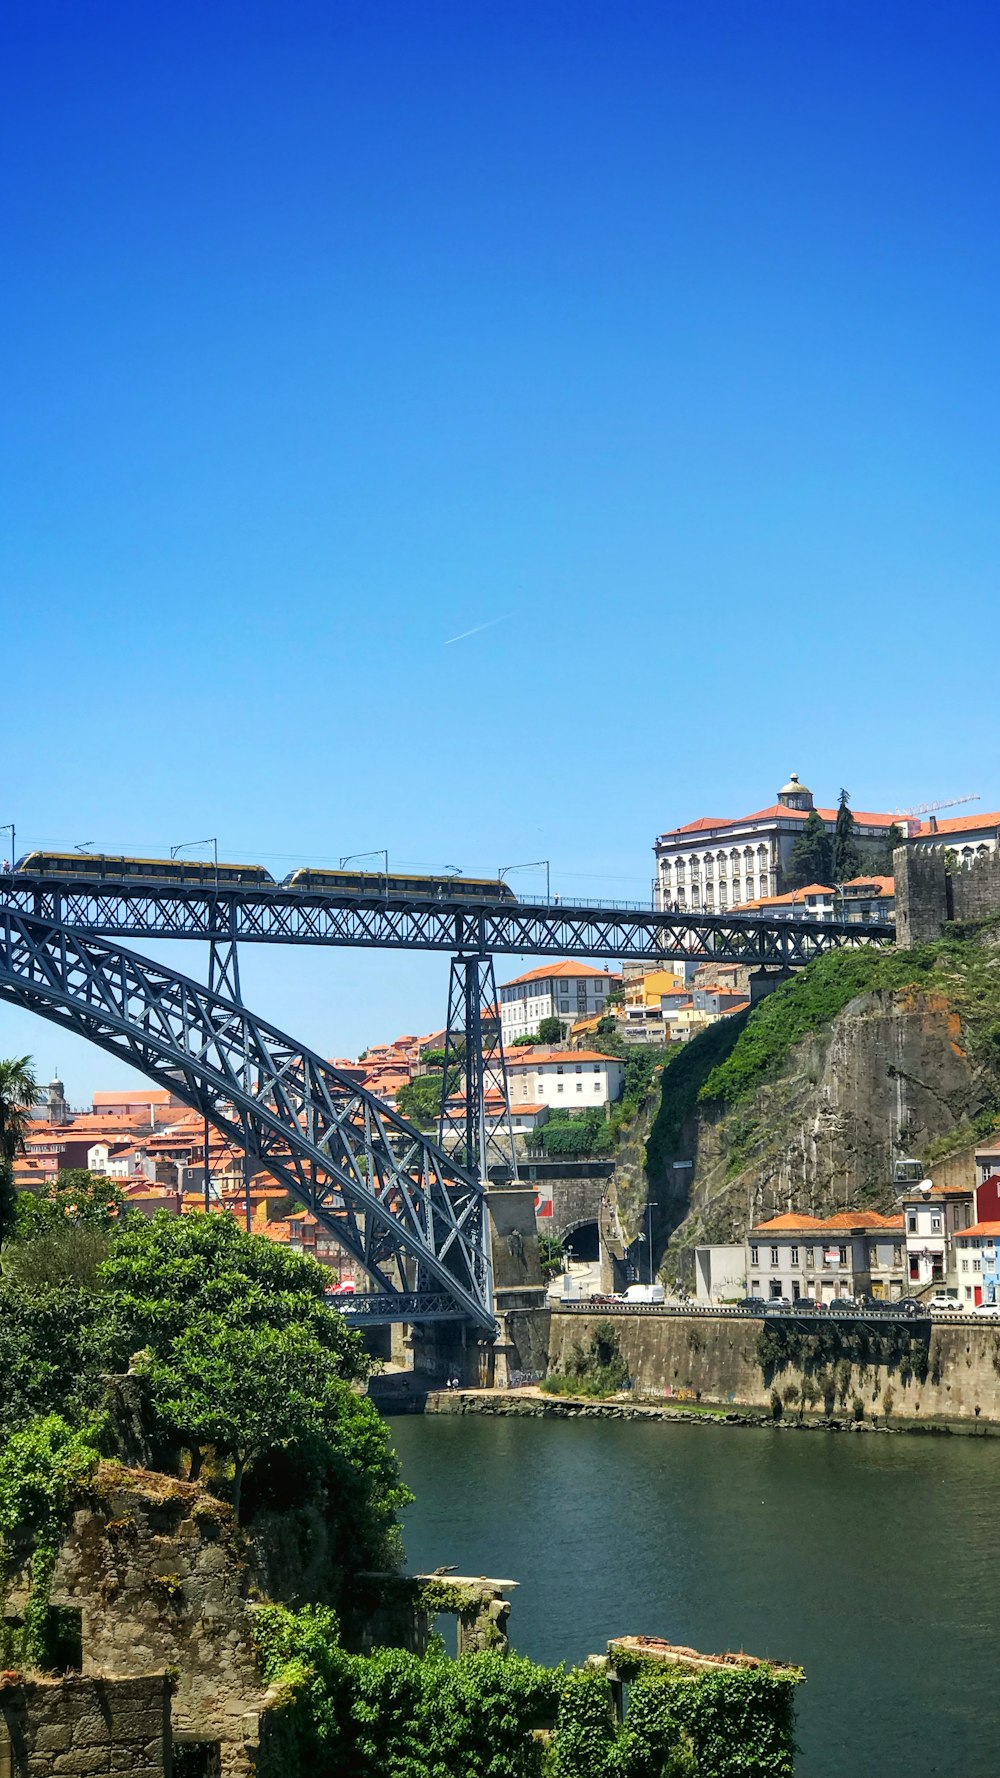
x,y
266,915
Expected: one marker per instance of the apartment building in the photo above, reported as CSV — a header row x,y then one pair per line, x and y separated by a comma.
x,y
566,991
855,1253
563,1080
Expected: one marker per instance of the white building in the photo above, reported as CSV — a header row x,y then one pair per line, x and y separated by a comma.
x,y
565,1080
716,863
566,991
934,1216
720,1273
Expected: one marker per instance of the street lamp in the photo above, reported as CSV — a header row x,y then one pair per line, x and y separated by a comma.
x,y
533,864
8,827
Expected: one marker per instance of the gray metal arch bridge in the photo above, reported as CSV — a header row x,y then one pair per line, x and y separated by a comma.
x,y
413,1217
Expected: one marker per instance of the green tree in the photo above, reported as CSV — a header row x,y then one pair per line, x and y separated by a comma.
x,y
894,837
846,856
241,1391
551,1030
812,853
420,1099
18,1088
166,1272
551,1257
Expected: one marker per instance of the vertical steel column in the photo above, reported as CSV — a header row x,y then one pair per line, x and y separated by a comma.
x,y
485,1133
224,978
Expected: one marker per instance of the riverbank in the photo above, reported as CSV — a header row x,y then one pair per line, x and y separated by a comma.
x,y
535,1404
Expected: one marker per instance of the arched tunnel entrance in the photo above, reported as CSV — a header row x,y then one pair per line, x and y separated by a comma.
x,y
582,1250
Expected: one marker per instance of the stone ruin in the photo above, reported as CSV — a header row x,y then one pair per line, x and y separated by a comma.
x,y
153,1587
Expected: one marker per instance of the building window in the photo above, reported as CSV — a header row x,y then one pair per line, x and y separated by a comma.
x,y
977,1265
935,1222
795,1256
754,1261
843,1256
911,1222
774,1256
965,1265
810,1257
897,1256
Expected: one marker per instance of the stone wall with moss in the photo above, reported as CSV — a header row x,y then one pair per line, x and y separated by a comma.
x,y
717,1360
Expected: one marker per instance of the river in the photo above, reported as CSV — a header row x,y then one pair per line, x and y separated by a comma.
x,y
871,1561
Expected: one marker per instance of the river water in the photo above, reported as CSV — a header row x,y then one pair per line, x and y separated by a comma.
x,y
871,1561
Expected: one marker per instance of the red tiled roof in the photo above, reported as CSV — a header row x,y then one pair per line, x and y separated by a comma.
x,y
981,1230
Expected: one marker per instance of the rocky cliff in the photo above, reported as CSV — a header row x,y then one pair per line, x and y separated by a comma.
x,y
806,1102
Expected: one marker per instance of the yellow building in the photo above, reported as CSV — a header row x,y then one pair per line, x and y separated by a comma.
x,y
645,990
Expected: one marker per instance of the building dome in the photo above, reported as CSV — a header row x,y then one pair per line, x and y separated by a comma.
x,y
794,795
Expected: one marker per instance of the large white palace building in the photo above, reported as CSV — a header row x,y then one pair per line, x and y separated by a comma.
x,y
717,863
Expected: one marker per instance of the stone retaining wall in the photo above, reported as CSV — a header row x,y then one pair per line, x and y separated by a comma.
x,y
700,1358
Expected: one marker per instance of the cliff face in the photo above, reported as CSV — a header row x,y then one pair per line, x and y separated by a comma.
x,y
892,1073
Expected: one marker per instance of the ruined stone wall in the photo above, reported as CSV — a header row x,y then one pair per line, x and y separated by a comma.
x,y
715,1358
928,894
160,1573
85,1727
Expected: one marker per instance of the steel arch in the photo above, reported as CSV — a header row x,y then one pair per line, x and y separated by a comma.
x,y
412,1219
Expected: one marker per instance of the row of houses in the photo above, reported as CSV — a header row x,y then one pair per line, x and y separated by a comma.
x,y
942,1238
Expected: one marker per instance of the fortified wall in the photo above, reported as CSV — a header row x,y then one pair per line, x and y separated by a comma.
x,y
713,1358
929,895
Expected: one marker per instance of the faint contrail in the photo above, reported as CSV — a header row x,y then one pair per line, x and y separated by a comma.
x,y
475,632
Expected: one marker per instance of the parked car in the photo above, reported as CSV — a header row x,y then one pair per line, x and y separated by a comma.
x,y
944,1305
844,1305
805,1305
984,1309
755,1303
908,1305
871,1302
777,1305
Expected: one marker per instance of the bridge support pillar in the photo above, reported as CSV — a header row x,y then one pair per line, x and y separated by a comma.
x,y
764,982
483,1132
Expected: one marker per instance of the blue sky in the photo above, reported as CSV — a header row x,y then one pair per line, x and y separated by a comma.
x,y
664,334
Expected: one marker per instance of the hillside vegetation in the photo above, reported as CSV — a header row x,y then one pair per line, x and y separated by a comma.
x,y
804,1101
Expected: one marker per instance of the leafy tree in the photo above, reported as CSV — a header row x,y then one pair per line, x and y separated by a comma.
x,y
18,1088
46,1334
812,853
241,1391
551,1030
894,837
420,1099
530,1037
551,1256
166,1272
846,856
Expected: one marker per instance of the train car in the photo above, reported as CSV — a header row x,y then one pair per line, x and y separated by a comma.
x,y
146,870
346,882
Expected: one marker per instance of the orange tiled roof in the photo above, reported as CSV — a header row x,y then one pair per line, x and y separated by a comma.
x,y
559,969
980,1230
791,1220
960,824
528,1058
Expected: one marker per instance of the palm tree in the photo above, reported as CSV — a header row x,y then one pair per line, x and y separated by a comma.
x,y
17,1095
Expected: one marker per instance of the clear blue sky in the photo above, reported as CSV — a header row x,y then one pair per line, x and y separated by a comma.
x,y
666,334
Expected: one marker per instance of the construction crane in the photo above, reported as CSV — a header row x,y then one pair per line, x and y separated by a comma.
x,y
931,808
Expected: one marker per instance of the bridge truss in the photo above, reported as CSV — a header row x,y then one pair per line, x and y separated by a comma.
x,y
412,1219
264,915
